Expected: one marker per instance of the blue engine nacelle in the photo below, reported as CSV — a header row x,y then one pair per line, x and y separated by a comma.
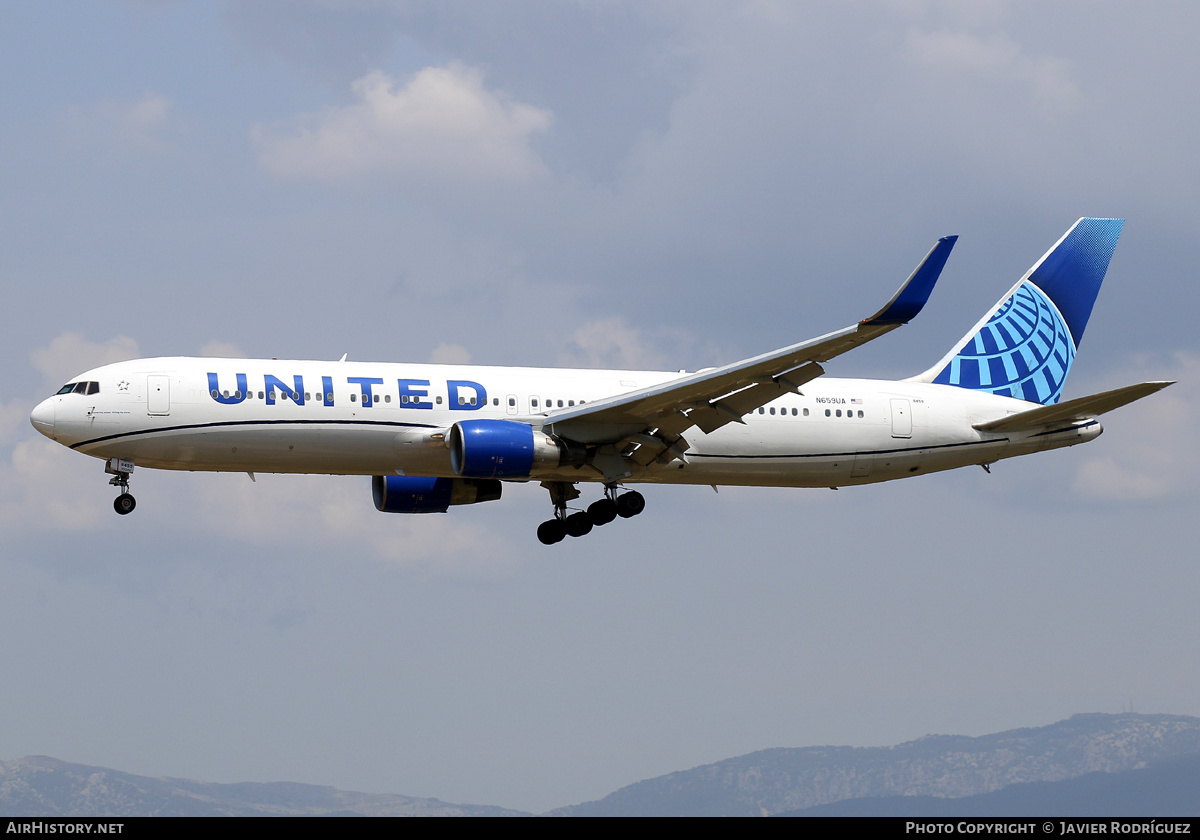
x,y
508,449
418,494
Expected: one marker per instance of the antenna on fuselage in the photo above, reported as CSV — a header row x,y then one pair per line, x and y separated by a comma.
x,y
344,355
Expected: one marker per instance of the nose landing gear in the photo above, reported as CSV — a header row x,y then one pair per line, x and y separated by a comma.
x,y
125,503
119,470
581,522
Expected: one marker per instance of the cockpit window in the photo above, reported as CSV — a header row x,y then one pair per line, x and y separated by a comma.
x,y
80,388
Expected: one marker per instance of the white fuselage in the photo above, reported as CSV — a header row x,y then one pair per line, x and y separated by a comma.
x,y
360,418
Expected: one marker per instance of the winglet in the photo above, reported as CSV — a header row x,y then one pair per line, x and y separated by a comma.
x,y
910,299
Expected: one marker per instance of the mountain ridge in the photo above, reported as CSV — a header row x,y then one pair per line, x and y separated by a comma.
x,y
933,770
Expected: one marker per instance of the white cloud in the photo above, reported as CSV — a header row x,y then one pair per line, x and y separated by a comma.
x,y
1146,454
142,126
338,513
442,123
450,354
45,488
222,350
999,57
610,343
14,419
71,354
1107,479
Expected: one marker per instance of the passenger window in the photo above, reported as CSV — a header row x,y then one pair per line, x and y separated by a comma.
x,y
761,410
806,412
387,398
496,401
512,401
827,412
214,393
860,414
570,402
237,395
260,395
354,397
560,403
439,400
533,402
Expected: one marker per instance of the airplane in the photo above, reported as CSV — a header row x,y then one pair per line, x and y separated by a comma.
x,y
434,436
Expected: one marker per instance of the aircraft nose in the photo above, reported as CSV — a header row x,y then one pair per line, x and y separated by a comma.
x,y
42,417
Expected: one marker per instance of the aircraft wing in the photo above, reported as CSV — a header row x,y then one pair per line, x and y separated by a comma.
x,y
1083,408
654,418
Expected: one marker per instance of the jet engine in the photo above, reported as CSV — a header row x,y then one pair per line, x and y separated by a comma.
x,y
508,449
418,494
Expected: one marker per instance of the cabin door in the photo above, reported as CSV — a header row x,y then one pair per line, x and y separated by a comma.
x,y
901,419
158,394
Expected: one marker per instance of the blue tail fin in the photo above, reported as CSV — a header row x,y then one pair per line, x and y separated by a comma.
x,y
1024,346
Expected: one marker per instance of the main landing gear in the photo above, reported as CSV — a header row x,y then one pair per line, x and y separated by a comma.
x,y
581,522
120,470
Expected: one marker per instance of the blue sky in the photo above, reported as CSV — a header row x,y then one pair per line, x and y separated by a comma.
x,y
591,184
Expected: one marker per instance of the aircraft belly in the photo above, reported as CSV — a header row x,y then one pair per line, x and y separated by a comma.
x,y
844,457
278,449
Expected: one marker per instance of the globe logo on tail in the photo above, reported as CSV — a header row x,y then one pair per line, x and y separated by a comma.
x,y
1024,351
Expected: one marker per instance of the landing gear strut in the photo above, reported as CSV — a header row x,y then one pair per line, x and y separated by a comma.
x,y
120,470
581,522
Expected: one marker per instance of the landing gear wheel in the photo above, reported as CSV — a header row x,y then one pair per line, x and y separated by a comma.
x,y
630,504
551,531
124,504
602,512
578,524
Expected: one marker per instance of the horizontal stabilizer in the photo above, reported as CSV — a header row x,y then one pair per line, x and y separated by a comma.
x,y
1078,409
